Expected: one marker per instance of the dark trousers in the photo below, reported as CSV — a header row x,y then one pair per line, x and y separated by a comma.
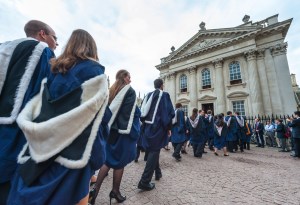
x,y
4,191
177,149
230,146
152,165
198,149
260,139
283,143
139,149
297,146
211,143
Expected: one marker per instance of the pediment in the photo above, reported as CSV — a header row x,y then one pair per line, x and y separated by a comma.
x,y
210,38
237,94
207,98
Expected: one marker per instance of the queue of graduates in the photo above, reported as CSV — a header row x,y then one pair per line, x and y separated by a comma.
x,y
230,133
62,123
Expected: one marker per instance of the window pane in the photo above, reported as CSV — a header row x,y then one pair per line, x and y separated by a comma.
x,y
235,71
183,83
238,106
206,81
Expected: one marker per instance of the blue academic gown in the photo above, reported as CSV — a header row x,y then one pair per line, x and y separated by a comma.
x,y
197,134
241,135
178,129
155,136
123,152
61,185
210,127
232,129
220,140
11,137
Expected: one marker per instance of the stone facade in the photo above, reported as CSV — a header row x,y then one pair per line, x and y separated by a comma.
x,y
243,68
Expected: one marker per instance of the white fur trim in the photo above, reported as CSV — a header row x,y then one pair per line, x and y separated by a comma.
x,y
21,158
116,104
156,107
24,83
174,120
146,105
115,107
127,131
48,138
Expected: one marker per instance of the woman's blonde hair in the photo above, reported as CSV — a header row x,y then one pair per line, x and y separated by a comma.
x,y
80,46
118,84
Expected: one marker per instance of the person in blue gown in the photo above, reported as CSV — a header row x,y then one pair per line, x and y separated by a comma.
x,y
24,63
232,131
157,114
123,136
220,134
65,126
210,129
197,130
248,134
241,131
178,136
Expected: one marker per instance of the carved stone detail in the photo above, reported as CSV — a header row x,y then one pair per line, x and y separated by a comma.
x,y
202,26
261,53
192,70
218,62
251,54
279,49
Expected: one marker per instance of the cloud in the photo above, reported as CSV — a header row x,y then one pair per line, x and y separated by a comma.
x,y
135,34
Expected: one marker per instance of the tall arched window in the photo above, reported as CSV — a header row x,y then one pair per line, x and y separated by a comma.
x,y
235,73
206,82
183,83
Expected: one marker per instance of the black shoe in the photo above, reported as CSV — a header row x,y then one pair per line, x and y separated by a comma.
x,y
216,154
258,146
146,187
118,196
183,152
92,196
158,176
204,152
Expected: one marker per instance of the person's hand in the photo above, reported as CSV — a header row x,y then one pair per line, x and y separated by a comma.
x,y
169,133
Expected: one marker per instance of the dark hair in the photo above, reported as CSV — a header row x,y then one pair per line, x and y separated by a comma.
x,y
195,111
220,121
279,120
158,83
229,112
297,113
209,111
238,113
32,28
178,105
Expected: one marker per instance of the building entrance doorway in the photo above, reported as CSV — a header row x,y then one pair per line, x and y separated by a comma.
x,y
208,106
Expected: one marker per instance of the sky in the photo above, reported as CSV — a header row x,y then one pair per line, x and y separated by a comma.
x,y
135,34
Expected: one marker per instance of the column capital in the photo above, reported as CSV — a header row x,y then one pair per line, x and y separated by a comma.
x,y
218,62
251,54
171,75
261,53
192,69
279,49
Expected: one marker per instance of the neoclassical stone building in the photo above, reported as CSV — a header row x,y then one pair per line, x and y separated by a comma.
x,y
244,68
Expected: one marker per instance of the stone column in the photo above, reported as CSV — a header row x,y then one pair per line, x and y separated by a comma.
x,y
254,84
172,87
193,87
220,106
261,67
273,83
283,78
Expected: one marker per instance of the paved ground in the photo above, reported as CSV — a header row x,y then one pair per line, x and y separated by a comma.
x,y
258,176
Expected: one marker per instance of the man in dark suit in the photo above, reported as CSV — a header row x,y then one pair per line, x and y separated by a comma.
x,y
295,125
259,132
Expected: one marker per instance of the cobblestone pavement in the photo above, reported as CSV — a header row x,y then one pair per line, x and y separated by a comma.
x,y
257,176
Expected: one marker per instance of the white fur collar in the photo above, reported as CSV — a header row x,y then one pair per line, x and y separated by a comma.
x,y
115,107
48,138
147,105
5,56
